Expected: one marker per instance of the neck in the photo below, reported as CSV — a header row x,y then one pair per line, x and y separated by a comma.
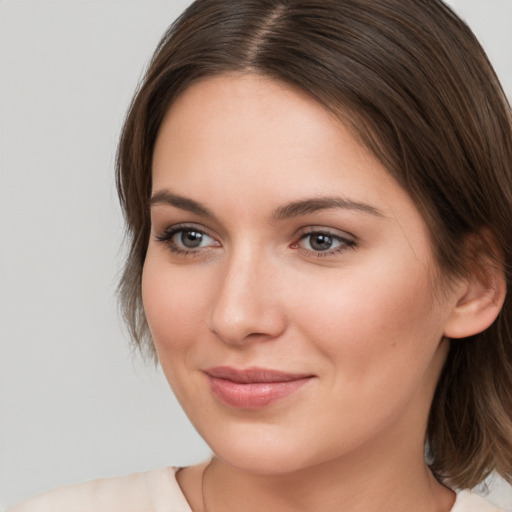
x,y
354,484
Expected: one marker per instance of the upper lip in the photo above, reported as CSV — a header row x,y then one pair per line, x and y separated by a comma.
x,y
253,375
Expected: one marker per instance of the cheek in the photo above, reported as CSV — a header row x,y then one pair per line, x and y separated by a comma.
x,y
374,321
175,308
377,333
174,305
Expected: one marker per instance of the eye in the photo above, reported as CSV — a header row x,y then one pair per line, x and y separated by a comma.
x,y
324,243
186,239
190,239
319,242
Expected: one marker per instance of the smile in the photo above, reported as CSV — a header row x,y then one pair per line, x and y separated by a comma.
x,y
252,388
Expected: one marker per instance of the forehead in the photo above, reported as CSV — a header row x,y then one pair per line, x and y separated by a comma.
x,y
230,119
230,109
258,135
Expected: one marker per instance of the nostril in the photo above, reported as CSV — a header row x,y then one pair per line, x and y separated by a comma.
x,y
249,324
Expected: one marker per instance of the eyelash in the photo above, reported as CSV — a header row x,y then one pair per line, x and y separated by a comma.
x,y
345,243
167,236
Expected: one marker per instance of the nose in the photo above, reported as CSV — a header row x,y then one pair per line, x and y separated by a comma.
x,y
246,306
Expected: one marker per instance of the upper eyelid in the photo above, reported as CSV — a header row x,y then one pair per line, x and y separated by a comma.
x,y
344,239
169,232
299,233
184,226
163,223
166,238
338,233
345,242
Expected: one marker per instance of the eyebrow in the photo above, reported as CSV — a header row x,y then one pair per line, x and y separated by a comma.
x,y
293,209
183,203
316,204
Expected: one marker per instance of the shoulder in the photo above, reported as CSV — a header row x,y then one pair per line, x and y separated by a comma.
x,y
468,501
152,491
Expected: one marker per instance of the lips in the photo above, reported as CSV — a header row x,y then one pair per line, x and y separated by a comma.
x,y
253,388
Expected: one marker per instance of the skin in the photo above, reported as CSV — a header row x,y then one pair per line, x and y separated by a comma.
x,y
366,318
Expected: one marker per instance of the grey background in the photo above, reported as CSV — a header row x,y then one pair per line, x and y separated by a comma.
x,y
75,403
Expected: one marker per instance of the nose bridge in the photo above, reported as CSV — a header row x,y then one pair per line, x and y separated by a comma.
x,y
246,302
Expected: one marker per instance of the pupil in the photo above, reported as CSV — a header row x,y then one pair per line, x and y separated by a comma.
x,y
191,239
321,242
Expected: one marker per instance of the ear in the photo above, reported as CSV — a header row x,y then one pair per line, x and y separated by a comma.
x,y
480,295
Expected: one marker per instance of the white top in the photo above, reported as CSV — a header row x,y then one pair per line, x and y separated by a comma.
x,y
157,491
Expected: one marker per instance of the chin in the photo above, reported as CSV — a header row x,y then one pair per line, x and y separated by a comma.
x,y
261,462
260,450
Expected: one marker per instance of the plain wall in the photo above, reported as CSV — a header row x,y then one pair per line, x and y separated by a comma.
x,y
75,403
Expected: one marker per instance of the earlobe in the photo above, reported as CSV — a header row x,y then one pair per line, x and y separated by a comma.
x,y
479,300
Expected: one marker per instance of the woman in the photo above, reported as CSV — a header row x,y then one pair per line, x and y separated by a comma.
x,y
319,198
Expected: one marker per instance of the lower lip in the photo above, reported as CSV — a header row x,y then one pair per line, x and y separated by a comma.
x,y
253,395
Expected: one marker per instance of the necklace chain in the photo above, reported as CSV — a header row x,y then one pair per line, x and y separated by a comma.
x,y
205,509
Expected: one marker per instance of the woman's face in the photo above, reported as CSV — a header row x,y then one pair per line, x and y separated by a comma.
x,y
288,282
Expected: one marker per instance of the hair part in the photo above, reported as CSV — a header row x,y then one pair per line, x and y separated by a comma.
x,y
415,87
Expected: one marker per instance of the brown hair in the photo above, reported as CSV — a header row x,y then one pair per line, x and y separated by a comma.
x,y
415,86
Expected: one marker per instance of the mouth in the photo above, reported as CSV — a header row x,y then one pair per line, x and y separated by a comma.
x,y
253,388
